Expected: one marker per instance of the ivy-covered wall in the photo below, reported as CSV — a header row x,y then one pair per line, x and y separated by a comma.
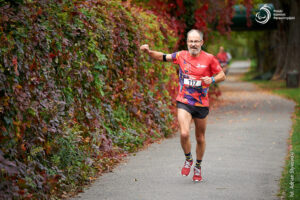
x,y
76,93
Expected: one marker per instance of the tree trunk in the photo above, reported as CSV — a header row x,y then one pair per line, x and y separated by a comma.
x,y
288,52
258,56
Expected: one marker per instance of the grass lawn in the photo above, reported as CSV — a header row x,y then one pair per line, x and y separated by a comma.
x,y
290,181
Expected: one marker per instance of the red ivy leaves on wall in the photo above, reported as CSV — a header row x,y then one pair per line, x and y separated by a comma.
x,y
200,16
68,86
208,15
248,4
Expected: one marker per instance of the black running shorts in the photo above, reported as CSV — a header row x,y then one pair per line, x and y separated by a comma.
x,y
195,111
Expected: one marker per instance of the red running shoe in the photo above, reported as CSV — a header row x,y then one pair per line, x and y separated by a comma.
x,y
186,168
197,174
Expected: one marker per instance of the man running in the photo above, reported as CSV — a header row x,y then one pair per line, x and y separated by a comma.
x,y
197,71
223,58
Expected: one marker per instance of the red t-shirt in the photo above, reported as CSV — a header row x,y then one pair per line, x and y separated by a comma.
x,y
222,57
192,90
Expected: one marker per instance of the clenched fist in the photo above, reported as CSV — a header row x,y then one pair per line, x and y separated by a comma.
x,y
145,48
207,80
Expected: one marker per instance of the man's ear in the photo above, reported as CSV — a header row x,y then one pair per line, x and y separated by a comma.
x,y
202,42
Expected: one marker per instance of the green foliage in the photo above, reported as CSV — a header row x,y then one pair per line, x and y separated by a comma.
x,y
68,153
76,93
239,44
290,183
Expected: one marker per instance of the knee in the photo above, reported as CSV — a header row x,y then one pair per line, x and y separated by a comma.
x,y
200,139
185,135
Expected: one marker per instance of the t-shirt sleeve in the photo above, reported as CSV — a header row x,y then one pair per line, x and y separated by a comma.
x,y
175,57
215,66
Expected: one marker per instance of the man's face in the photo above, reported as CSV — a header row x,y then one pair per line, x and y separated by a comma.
x,y
194,43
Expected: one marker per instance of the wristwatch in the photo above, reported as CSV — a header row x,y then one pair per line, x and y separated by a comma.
x,y
213,80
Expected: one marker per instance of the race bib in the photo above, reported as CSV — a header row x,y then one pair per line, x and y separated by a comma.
x,y
192,83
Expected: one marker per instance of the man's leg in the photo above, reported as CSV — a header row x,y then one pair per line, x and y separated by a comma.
x,y
184,119
200,126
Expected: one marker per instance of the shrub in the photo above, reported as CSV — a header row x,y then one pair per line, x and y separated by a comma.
x,y
75,91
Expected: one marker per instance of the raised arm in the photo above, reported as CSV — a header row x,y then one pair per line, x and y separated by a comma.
x,y
155,54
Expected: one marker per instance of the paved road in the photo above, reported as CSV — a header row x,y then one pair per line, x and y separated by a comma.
x,y
246,147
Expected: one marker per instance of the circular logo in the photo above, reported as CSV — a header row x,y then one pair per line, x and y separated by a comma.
x,y
263,15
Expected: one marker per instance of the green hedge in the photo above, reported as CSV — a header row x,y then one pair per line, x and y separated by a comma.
x,y
75,91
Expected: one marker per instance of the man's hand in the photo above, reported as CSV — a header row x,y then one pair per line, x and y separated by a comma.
x,y
155,54
207,80
145,48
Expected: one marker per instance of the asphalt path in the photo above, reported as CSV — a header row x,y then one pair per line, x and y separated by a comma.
x,y
245,154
